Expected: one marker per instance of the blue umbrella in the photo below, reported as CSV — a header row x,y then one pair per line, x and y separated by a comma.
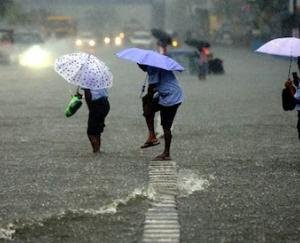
x,y
150,58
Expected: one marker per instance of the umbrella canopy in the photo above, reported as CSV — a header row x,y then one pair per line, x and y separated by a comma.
x,y
199,44
288,46
150,58
84,70
162,36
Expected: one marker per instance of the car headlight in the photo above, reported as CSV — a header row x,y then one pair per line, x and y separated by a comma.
x,y
118,41
35,57
174,43
92,43
122,35
78,42
106,40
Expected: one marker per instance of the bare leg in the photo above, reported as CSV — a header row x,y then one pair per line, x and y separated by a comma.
x,y
151,140
95,142
168,139
150,125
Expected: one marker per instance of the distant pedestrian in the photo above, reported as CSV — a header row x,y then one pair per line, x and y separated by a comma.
x,y
203,62
161,47
169,97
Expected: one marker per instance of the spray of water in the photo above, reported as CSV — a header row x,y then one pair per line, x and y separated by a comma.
x,y
8,232
189,182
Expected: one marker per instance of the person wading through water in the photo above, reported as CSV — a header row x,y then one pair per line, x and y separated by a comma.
x,y
165,95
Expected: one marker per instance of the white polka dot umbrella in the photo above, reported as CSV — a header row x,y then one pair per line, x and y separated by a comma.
x,y
84,70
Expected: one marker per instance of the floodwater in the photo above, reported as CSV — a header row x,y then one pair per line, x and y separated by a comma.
x,y
237,153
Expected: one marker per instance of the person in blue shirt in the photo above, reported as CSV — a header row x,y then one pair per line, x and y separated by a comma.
x,y
164,94
98,105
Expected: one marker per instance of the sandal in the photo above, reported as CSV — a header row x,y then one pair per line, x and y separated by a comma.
x,y
150,144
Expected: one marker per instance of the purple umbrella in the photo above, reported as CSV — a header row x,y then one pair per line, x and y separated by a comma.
x,y
288,47
150,58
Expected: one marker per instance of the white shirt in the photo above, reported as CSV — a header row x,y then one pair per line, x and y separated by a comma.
x,y
98,93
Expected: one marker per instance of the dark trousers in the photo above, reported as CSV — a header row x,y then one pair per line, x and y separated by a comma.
x,y
167,113
98,111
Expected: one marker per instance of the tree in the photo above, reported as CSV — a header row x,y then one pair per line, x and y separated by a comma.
x,y
5,5
11,11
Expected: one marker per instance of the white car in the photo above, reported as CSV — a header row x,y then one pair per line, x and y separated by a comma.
x,y
142,39
86,42
29,50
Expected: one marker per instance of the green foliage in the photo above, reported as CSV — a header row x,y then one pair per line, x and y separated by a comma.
x,y
11,11
5,5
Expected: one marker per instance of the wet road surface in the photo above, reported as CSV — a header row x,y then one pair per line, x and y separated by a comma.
x,y
236,150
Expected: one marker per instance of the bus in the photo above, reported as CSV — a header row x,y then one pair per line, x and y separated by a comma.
x,y
60,26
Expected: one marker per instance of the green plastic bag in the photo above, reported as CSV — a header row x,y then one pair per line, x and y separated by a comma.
x,y
74,104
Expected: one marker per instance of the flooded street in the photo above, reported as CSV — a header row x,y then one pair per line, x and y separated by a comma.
x,y
236,152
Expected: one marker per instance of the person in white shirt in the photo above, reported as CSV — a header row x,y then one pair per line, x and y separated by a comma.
x,y
98,105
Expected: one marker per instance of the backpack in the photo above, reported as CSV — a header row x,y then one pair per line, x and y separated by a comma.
x,y
216,66
288,99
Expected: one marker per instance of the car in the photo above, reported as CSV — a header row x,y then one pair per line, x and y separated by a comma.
x,y
6,43
86,42
116,38
29,50
142,39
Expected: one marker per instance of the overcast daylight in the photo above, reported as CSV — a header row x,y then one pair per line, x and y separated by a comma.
x,y
138,121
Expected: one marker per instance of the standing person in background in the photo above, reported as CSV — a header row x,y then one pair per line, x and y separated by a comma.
x,y
98,105
296,81
203,62
161,47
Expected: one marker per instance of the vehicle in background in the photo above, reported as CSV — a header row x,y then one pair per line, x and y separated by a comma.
x,y
6,43
28,50
113,39
59,27
142,39
86,42
175,40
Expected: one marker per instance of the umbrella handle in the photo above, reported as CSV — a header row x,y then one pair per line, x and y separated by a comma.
x,y
291,60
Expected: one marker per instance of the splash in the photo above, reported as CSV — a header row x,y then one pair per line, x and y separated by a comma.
x,y
189,182
9,231
112,208
7,234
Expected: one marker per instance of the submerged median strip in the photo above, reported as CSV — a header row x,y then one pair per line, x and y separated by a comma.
x,y
161,223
